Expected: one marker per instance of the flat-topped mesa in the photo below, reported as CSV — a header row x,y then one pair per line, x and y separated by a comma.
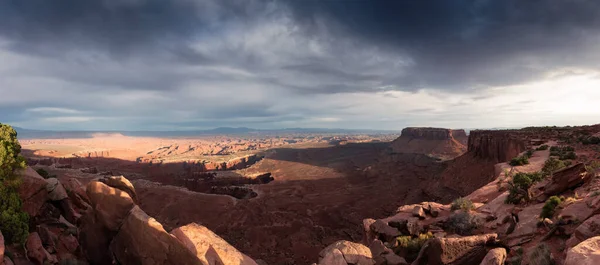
x,y
499,146
435,142
431,133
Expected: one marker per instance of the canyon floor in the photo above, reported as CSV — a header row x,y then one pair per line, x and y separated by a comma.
x,y
321,189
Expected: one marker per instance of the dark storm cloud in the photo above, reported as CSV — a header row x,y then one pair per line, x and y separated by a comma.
x,y
455,44
184,62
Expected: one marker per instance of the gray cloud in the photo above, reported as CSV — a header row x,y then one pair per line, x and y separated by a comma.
x,y
139,64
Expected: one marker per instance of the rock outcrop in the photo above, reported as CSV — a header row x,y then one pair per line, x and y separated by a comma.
x,y
346,252
495,256
567,178
143,240
498,146
32,191
435,142
209,247
456,251
115,227
585,253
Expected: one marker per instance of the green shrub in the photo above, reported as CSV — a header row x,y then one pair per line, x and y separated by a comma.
x,y
42,172
563,152
529,153
463,223
462,204
518,187
542,148
410,246
13,221
552,165
519,161
550,207
541,255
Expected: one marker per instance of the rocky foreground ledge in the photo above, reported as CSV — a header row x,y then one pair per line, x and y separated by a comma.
x,y
101,224
532,213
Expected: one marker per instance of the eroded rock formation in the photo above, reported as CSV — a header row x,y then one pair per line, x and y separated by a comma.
x,y
436,142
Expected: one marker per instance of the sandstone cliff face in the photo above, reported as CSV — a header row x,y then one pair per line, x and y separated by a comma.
x,y
436,142
499,146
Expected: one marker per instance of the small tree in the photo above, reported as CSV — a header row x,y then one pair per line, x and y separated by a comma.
x,y
13,221
550,207
552,165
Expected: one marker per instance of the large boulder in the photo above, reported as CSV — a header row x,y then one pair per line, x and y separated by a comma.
x,y
456,251
589,228
585,253
36,251
142,240
495,256
55,189
111,205
209,247
76,192
353,253
334,257
95,239
566,178
120,182
384,231
32,191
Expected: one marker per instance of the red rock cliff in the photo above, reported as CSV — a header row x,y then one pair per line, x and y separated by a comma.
x,y
499,146
435,142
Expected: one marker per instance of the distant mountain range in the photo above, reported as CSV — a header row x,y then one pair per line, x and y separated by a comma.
x,y
47,134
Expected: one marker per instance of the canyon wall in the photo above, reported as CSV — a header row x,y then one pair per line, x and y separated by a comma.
x,y
499,146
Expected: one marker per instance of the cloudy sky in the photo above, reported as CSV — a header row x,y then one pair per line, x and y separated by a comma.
x,y
365,64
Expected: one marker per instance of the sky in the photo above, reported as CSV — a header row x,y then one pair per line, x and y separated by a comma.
x,y
355,64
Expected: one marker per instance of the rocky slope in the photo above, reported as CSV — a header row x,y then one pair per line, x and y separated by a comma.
x,y
489,226
435,142
101,224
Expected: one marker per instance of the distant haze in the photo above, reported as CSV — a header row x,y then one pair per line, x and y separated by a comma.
x,y
181,65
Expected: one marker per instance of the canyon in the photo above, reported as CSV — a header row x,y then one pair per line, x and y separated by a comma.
x,y
286,203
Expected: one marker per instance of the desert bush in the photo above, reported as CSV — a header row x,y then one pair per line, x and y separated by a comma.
x,y
589,140
529,153
568,156
519,161
550,207
463,223
542,147
552,165
563,152
518,187
410,246
462,204
13,221
541,255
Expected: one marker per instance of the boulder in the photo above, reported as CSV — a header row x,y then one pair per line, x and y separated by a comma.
x,y
418,212
369,235
95,239
77,195
121,183
455,251
209,247
111,205
353,253
585,253
589,228
566,178
383,255
55,189
334,257
384,231
36,251
495,256
32,191
142,240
